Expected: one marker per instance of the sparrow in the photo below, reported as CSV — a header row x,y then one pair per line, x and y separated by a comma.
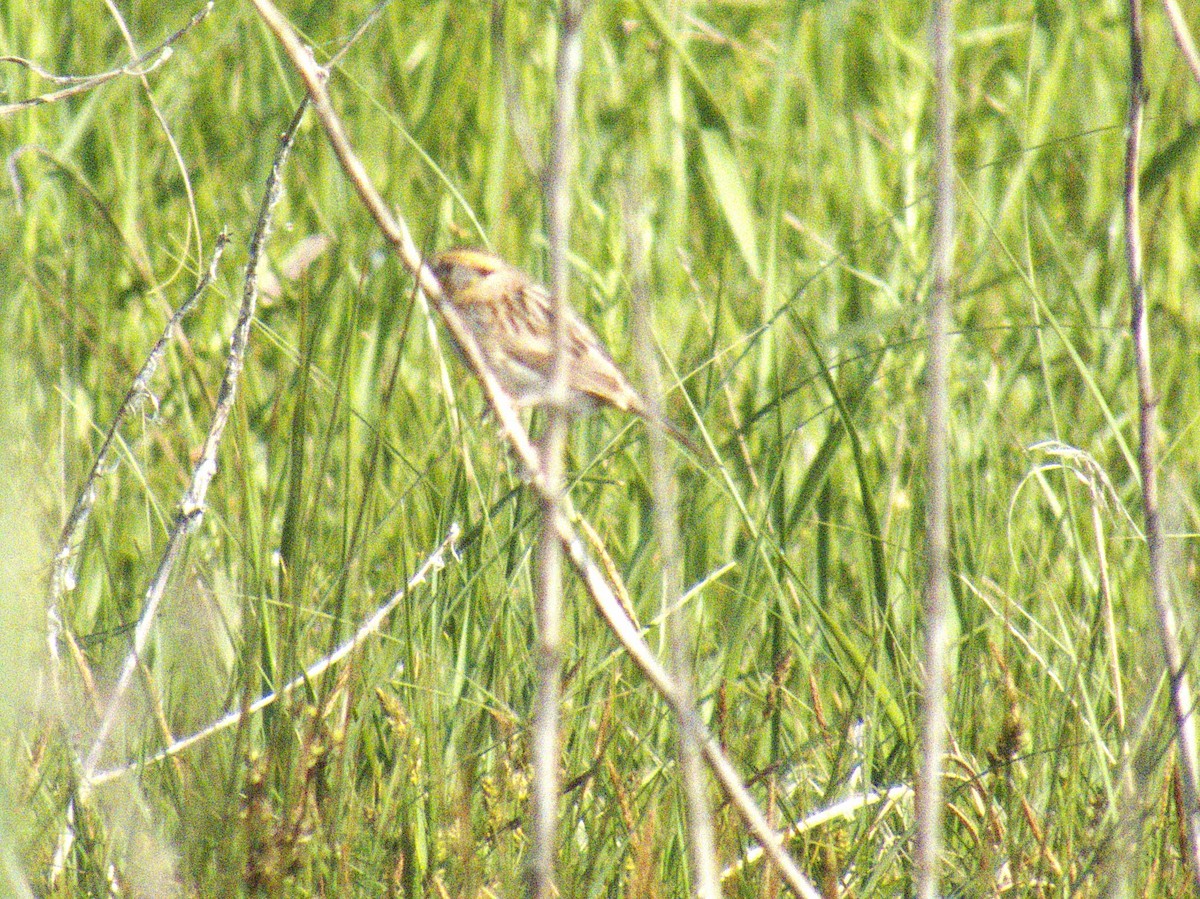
x,y
509,315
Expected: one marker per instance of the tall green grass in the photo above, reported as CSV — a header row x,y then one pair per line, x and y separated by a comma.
x,y
789,203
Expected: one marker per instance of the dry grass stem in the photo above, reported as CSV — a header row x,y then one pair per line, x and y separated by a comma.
x,y
1183,37
937,577
1182,703
548,594
701,844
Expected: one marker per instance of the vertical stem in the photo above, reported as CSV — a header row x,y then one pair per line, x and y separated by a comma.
x,y
933,711
701,845
549,586
1181,694
702,852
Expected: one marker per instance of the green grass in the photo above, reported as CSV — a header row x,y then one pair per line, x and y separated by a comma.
x,y
793,199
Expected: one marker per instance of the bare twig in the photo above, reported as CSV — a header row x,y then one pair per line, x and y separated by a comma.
x,y
701,845
395,230
397,233
937,584
62,574
191,506
1181,694
639,651
62,577
358,32
612,611
78,84
843,809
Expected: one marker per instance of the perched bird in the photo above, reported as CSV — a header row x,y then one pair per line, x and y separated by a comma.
x,y
508,314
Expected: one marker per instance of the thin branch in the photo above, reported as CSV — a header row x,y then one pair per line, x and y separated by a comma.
x,y
396,231
78,84
62,577
398,234
1181,694
844,809
639,651
62,573
191,506
612,611
1183,37
357,34
937,583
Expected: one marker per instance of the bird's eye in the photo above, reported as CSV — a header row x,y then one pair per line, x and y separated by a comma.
x,y
449,275
460,276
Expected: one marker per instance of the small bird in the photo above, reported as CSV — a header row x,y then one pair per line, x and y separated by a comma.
x,y
508,314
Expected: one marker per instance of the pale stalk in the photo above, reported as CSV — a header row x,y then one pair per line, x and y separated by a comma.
x,y
549,557
937,582
701,845
1168,623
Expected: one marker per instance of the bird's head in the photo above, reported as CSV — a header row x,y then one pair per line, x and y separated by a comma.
x,y
457,270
